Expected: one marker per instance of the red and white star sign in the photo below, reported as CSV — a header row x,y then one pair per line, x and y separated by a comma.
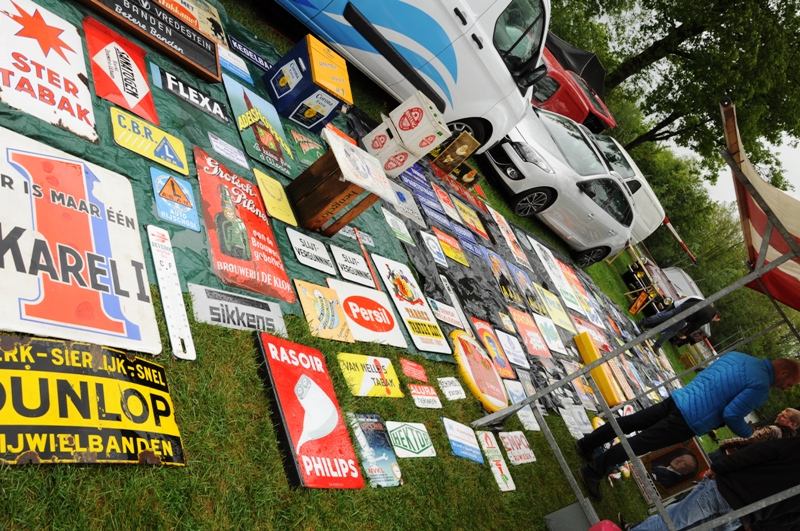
x,y
118,69
42,68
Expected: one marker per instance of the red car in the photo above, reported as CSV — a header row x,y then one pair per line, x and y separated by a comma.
x,y
565,92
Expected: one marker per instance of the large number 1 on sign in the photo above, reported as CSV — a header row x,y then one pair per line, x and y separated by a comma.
x,y
72,223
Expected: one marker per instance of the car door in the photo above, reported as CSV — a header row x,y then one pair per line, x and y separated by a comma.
x,y
608,215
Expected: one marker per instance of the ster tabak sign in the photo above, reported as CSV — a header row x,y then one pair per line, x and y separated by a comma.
x,y
244,252
64,402
315,431
71,259
43,68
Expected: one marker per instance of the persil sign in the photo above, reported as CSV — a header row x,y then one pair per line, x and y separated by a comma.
x,y
316,434
369,314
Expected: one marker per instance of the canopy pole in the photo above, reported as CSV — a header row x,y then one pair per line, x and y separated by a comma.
x,y
499,416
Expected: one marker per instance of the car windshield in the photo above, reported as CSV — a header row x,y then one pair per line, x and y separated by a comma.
x,y
614,156
518,33
574,148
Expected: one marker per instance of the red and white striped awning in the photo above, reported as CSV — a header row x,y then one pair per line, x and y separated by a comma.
x,y
783,283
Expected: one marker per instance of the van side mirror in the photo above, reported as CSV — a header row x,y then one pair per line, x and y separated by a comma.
x,y
531,77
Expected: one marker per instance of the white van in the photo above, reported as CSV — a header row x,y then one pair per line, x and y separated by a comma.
x,y
476,59
649,212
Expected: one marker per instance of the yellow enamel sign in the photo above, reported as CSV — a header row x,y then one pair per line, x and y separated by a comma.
x,y
323,312
274,197
64,402
555,309
370,375
142,137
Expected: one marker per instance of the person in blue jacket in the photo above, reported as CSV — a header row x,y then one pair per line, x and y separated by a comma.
x,y
724,393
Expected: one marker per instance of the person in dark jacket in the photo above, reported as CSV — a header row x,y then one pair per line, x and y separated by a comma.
x,y
727,391
685,326
751,474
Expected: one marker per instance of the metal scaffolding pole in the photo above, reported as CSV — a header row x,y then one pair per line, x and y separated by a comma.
x,y
499,416
632,457
586,506
748,509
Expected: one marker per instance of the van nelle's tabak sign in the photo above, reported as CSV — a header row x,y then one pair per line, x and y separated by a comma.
x,y
43,68
316,433
71,260
80,403
244,252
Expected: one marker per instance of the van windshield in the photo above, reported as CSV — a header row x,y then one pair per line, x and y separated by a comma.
x,y
518,34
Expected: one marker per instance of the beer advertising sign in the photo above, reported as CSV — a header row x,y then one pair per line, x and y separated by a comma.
x,y
71,259
244,252
369,375
315,431
369,314
44,71
259,126
412,305
119,71
93,405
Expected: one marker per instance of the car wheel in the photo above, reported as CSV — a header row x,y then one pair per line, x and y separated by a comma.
x,y
591,256
479,129
533,201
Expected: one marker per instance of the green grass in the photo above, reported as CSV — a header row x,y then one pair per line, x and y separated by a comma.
x,y
235,477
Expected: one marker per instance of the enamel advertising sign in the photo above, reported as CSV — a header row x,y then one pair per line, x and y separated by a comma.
x,y
486,334
93,405
147,140
412,305
44,71
316,433
369,375
323,312
244,252
478,371
369,314
119,70
71,259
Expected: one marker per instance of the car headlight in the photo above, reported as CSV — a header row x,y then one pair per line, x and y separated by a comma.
x,y
528,154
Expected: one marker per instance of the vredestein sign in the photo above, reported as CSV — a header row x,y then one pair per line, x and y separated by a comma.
x,y
160,28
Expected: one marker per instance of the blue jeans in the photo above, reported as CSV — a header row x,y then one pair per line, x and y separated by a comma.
x,y
702,504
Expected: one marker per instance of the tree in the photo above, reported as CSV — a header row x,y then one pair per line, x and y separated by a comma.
x,y
704,53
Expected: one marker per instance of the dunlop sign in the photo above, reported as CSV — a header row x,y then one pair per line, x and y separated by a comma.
x,y
64,402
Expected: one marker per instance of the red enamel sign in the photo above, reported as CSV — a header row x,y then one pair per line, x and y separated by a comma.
x,y
320,444
119,71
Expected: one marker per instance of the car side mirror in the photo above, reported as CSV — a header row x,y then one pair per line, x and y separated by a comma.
x,y
531,77
586,189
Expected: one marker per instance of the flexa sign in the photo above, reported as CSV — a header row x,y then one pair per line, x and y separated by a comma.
x,y
368,313
64,402
316,434
71,259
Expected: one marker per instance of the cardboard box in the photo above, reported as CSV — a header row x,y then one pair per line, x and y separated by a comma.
x,y
419,124
309,84
384,143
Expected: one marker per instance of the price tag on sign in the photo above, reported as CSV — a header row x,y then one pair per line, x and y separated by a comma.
x,y
169,286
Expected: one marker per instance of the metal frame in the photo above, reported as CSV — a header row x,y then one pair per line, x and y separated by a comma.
x,y
759,269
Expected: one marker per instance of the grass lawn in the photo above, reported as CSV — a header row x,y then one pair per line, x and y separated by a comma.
x,y
235,476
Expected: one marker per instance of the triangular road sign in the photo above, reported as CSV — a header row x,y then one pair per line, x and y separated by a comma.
x,y
165,151
171,191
